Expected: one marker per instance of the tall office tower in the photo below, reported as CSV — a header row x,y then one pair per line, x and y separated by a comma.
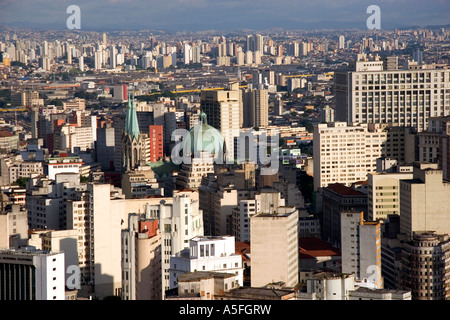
x,y
280,50
240,57
338,198
293,49
34,122
418,56
341,42
274,243
404,97
104,39
250,43
98,60
196,58
257,57
361,248
384,194
215,254
248,58
105,147
141,259
81,63
29,274
259,43
187,54
222,108
345,154
119,127
255,108
69,55
279,106
424,201
426,267
112,57
156,142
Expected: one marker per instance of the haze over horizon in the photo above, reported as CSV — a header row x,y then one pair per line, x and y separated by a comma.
x,y
200,15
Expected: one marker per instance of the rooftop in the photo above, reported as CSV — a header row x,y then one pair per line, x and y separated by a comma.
x,y
312,247
344,190
4,134
201,275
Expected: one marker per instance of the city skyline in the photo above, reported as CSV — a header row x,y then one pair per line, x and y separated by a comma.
x,y
108,15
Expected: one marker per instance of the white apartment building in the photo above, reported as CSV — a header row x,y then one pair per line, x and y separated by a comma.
x,y
207,254
53,166
30,274
344,153
372,93
179,222
24,169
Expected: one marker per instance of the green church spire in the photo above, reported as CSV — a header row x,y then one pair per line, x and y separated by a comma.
x,y
133,125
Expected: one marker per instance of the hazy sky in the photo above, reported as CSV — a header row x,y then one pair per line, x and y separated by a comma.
x,y
194,15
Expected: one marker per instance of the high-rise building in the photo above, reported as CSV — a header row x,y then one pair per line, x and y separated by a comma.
x,y
30,274
255,108
222,108
274,245
383,196
98,60
184,215
105,147
156,142
141,259
338,198
81,63
361,248
426,266
405,97
424,201
345,154
112,57
341,42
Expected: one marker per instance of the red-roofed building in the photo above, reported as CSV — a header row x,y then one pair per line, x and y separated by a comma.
x,y
338,198
318,254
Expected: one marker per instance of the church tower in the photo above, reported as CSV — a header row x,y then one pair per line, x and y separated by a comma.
x,y
133,142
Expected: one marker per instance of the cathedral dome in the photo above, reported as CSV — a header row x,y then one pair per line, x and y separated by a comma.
x,y
203,138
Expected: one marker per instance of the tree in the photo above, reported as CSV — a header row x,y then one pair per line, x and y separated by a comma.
x,y
22,182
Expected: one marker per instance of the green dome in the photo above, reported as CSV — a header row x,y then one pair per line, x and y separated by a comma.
x,y
203,137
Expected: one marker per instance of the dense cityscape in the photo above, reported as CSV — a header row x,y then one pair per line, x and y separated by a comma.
x,y
268,164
